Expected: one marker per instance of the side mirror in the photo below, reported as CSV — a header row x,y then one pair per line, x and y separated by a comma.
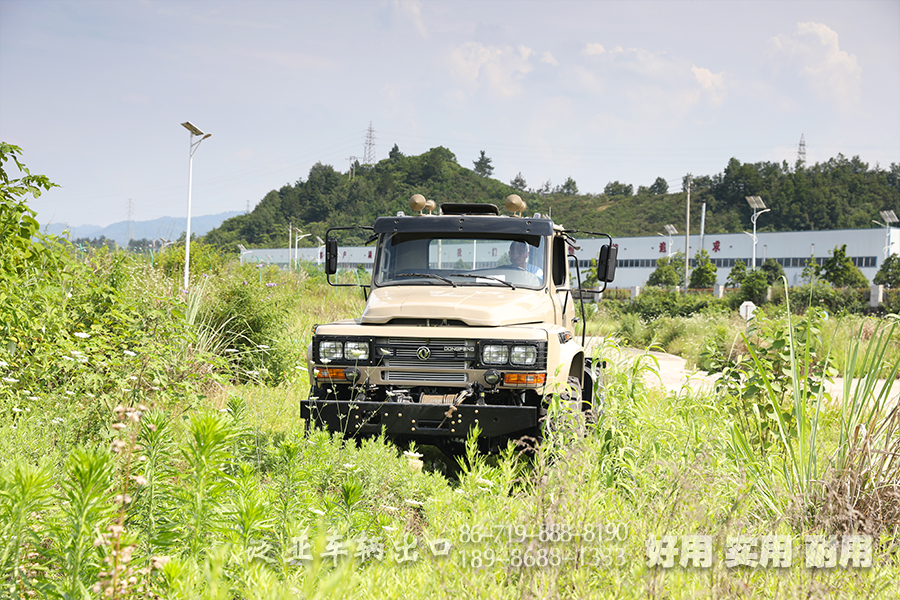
x,y
606,263
331,256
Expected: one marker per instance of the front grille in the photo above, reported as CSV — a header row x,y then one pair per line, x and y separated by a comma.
x,y
441,352
415,363
425,377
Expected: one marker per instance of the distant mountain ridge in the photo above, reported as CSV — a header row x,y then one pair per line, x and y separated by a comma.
x,y
169,228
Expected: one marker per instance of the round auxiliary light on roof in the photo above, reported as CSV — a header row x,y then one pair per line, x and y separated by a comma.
x,y
417,202
515,204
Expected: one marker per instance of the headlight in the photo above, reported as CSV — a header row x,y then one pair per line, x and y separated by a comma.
x,y
331,350
356,351
494,354
524,355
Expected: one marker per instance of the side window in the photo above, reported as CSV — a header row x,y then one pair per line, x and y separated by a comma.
x,y
559,259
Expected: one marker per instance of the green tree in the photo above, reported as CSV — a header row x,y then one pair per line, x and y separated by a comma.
x,y
659,187
839,270
705,273
754,286
889,273
569,188
737,274
773,270
483,165
669,271
18,227
518,182
394,155
615,188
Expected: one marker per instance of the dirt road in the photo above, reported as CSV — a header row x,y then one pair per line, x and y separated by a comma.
x,y
673,375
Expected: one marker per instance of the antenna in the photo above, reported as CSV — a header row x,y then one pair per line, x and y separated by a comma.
x,y
370,145
801,151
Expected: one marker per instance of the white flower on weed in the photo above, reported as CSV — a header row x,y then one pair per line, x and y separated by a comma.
x,y
69,358
230,350
484,482
16,409
126,390
10,380
390,508
26,391
317,511
253,373
75,352
133,378
388,528
139,479
262,346
348,465
3,363
413,502
69,393
89,395
33,398
82,335
128,353
409,454
82,360
57,420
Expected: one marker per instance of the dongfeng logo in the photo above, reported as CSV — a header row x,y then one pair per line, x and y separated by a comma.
x,y
424,353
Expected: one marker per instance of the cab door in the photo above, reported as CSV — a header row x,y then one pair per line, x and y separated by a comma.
x,y
563,303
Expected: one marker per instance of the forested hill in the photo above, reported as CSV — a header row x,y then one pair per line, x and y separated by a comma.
x,y
841,193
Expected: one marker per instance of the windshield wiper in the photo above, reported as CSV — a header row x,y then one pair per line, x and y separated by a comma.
x,y
429,275
485,277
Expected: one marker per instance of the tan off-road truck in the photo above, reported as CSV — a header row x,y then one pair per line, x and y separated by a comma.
x,y
470,320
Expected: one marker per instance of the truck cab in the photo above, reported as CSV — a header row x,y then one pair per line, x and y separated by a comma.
x,y
470,321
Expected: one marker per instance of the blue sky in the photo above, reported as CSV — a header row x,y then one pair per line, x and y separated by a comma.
x,y
95,92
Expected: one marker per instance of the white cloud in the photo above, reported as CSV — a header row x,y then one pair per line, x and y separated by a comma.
x,y
713,84
593,49
549,59
501,70
411,9
814,51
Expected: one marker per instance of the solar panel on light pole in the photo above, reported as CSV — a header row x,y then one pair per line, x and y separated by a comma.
x,y
759,207
195,131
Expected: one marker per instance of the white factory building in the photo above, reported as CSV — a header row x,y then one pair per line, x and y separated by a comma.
x,y
637,256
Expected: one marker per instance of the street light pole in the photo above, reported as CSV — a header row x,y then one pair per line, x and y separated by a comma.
x,y
756,204
193,147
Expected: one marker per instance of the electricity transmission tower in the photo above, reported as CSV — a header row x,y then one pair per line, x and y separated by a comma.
x,y
801,151
369,155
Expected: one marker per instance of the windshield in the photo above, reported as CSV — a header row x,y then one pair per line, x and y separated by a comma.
x,y
417,259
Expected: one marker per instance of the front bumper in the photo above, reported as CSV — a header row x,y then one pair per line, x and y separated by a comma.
x,y
419,420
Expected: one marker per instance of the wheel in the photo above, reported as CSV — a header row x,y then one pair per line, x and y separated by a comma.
x,y
566,413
